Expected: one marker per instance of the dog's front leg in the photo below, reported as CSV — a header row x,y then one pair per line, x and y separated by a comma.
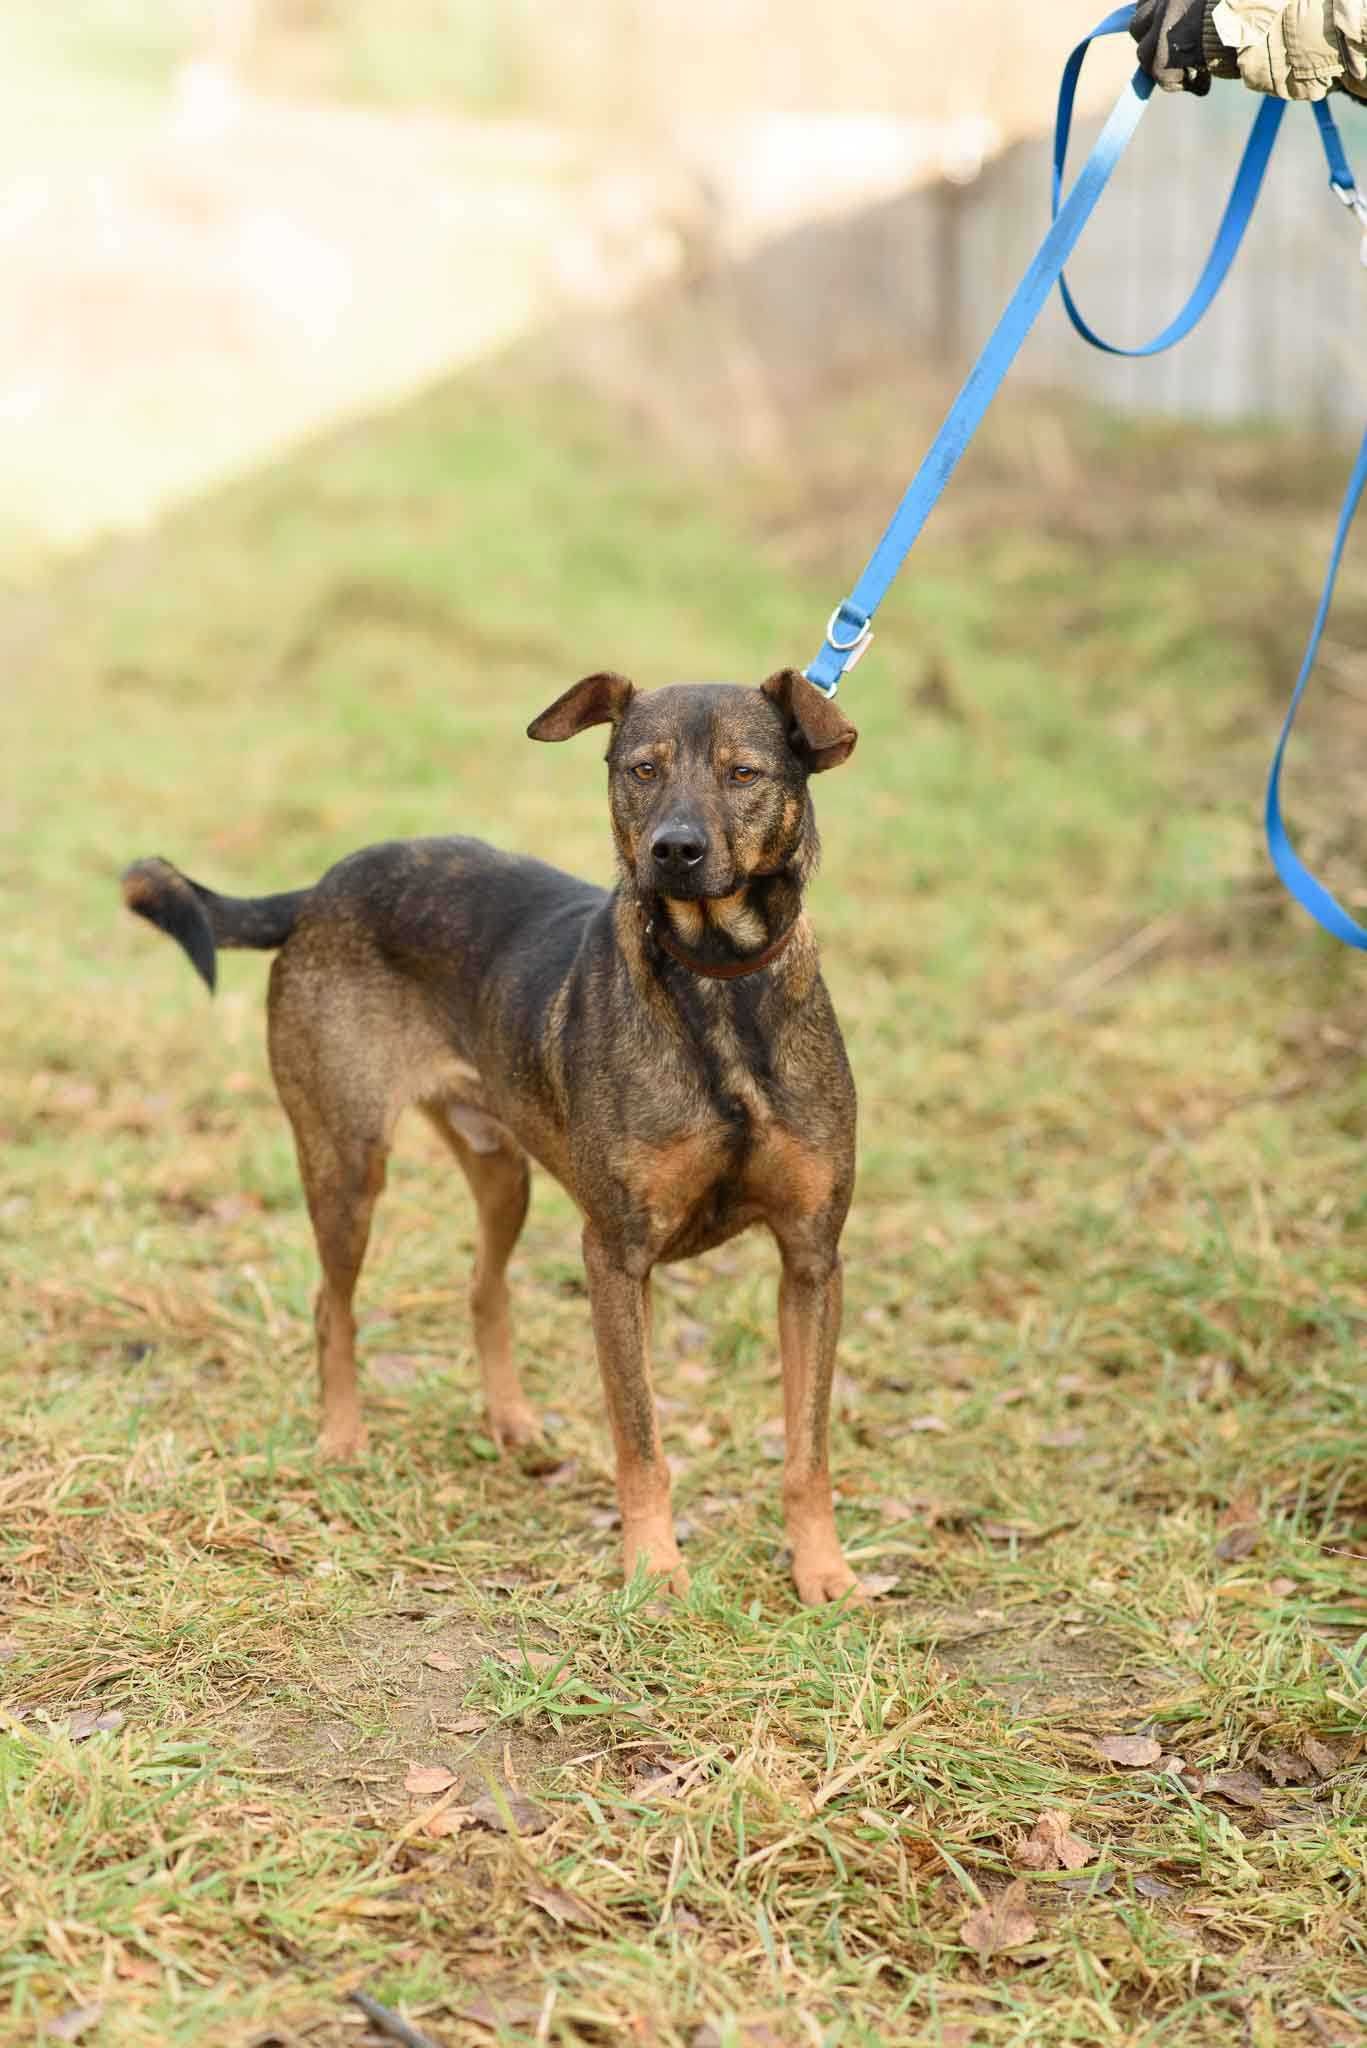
x,y
620,1300
809,1302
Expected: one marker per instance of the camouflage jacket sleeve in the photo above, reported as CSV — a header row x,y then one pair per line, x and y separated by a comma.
x,y
1297,49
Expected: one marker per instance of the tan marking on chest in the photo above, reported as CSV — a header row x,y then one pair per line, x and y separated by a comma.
x,y
670,1180
785,1172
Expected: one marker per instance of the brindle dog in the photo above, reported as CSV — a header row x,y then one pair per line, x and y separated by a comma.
x,y
667,1050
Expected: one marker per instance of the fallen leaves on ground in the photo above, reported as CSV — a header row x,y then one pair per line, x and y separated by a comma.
x,y
492,2010
1001,1923
440,1660
1051,1846
1319,1756
1240,1787
70,2025
1241,1529
535,1660
428,1781
509,1813
561,1906
87,1721
1133,1751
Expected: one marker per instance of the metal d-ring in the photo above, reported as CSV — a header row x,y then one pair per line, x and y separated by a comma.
x,y
865,632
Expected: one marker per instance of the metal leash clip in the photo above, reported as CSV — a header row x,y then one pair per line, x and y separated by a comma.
x,y
1356,203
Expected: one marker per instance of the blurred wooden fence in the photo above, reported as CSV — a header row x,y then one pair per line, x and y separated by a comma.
x,y
1285,339
923,277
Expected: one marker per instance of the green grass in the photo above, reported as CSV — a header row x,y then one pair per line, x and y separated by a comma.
x,y
1105,1291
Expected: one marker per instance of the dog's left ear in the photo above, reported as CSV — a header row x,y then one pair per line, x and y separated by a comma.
x,y
597,700
816,730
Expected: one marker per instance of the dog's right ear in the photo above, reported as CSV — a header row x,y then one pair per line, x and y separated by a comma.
x,y
597,700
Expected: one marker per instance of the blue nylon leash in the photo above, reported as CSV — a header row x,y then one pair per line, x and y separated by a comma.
x,y
849,629
1308,892
1303,886
1243,197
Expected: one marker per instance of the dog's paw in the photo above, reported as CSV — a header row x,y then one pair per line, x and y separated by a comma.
x,y
515,1427
337,1445
822,1580
659,1559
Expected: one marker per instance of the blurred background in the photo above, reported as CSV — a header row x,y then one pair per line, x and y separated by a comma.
x,y
226,222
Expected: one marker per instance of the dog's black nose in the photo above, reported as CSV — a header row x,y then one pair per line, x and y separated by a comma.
x,y
678,846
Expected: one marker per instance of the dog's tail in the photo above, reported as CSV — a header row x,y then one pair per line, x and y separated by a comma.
x,y
200,921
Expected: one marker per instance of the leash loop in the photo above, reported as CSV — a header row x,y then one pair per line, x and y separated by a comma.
x,y
1308,892
1243,198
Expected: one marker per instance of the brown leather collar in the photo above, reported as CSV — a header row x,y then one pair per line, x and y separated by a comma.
x,y
719,970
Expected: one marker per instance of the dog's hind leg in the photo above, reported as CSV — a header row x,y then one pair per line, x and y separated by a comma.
x,y
342,1179
496,1168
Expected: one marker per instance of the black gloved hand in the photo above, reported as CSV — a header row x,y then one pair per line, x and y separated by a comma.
x,y
1169,33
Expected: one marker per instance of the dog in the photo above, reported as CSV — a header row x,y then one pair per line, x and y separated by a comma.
x,y
667,1050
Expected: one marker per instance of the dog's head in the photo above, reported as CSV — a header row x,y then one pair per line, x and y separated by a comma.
x,y
707,781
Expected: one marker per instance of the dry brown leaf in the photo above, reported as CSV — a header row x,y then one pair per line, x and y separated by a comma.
x,y
1011,1532
1281,1589
365,1909
924,1425
1287,1769
70,2025
526,1817
877,1583
1319,1756
1050,1846
440,1660
497,2011
428,1781
1154,1888
138,1969
87,1721
1002,1923
1241,1528
447,1820
1240,1787
1133,1751
562,1906
396,1369
535,1660
468,1724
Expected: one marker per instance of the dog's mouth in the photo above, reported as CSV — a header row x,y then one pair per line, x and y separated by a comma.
x,y
682,889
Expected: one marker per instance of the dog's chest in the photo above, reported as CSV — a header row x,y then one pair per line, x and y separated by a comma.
x,y
737,1159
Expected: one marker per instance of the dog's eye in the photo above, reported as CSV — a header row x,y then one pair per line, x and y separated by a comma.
x,y
644,771
743,774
